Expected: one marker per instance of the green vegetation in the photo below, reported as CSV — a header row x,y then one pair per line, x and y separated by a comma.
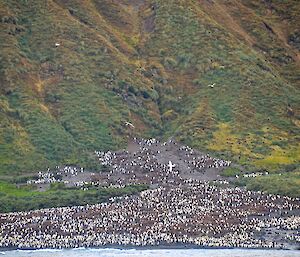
x,y
231,172
223,78
284,184
26,198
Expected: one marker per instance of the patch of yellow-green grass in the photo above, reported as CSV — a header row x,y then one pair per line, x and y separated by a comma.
x,y
285,184
12,190
224,139
231,172
280,156
269,148
133,40
283,150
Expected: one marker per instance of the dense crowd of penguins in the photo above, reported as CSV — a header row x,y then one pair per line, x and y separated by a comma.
x,y
176,211
56,176
148,165
196,213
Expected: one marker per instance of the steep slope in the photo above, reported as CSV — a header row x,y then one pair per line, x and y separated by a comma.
x,y
234,97
65,83
222,76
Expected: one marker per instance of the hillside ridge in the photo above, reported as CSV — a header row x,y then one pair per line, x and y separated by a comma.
x,y
220,76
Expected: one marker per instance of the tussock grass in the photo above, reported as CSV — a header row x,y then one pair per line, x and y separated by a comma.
x,y
59,104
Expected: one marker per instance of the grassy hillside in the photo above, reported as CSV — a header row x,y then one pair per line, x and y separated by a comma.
x,y
222,76
245,112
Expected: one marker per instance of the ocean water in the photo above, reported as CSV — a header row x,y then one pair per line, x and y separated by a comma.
x,y
150,253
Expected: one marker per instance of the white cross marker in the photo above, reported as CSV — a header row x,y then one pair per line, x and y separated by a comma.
x,y
171,166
